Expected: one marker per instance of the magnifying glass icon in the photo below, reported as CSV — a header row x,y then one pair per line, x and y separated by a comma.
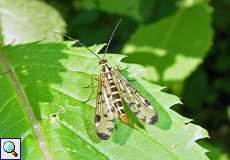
x,y
9,147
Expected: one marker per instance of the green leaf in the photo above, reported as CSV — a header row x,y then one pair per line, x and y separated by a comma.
x,y
44,89
228,112
174,46
24,21
216,151
136,9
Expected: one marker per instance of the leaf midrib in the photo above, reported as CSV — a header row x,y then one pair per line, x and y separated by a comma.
x,y
27,108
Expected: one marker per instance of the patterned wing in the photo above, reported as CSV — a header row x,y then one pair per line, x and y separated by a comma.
x,y
105,114
136,102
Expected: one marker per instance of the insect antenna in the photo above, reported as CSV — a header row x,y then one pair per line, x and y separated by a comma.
x,y
78,42
111,37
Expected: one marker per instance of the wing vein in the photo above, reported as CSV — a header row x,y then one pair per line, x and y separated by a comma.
x,y
136,102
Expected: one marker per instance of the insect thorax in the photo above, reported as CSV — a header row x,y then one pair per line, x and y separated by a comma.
x,y
105,68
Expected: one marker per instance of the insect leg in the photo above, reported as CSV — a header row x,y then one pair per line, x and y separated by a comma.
x,y
92,92
93,77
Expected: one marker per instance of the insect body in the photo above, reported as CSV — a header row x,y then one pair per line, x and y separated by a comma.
x,y
108,101
112,86
112,89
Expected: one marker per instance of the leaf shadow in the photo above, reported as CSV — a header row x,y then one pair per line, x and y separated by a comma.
x,y
123,131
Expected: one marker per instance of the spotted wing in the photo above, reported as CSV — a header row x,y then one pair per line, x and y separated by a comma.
x,y
136,102
105,114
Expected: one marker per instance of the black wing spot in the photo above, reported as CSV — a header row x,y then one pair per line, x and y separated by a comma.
x,y
144,119
146,102
154,119
103,136
97,118
132,103
136,112
105,115
110,129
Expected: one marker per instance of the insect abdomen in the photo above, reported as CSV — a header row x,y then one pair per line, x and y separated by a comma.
x,y
116,98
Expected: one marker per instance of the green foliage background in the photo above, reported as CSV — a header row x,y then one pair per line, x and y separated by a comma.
x,y
180,44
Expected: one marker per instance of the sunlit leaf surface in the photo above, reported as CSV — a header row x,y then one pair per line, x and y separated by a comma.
x,y
44,90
